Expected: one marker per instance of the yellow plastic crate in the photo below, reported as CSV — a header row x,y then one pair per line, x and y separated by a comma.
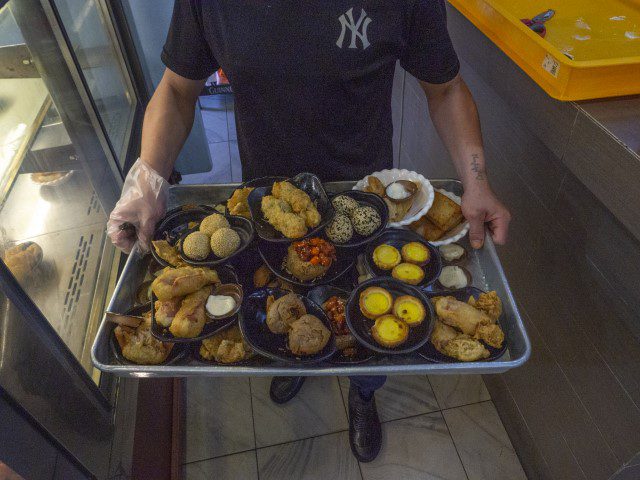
x,y
603,37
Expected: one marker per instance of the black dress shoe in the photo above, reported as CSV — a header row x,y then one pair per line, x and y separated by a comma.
x,y
365,432
284,389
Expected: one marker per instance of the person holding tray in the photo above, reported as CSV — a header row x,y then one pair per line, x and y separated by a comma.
x,y
312,85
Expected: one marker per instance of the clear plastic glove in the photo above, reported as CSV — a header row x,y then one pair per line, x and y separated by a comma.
x,y
143,202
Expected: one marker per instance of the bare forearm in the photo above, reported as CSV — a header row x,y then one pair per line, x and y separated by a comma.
x,y
455,116
167,123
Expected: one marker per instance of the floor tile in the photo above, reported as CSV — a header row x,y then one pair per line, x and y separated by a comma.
x,y
482,442
236,166
215,125
417,448
321,458
221,169
218,417
232,467
316,410
401,396
456,390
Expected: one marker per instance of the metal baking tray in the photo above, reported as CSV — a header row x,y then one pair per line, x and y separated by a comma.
x,y
484,266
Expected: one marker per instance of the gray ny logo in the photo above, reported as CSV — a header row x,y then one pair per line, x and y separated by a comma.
x,y
358,29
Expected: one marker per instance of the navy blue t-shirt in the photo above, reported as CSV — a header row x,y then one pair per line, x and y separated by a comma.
x,y
312,78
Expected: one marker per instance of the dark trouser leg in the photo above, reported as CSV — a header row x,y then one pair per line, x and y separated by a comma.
x,y
365,432
367,384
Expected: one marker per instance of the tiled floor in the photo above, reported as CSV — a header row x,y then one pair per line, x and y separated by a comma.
x,y
437,427
220,128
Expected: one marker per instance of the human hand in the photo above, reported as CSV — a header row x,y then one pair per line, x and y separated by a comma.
x,y
142,203
480,206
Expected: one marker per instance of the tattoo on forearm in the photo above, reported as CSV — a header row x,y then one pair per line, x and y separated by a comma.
x,y
476,168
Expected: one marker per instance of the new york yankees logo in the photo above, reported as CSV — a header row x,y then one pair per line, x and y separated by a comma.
x,y
358,29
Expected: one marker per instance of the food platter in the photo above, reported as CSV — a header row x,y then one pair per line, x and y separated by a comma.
x,y
484,266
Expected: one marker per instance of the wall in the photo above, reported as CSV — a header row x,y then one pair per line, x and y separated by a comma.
x,y
572,410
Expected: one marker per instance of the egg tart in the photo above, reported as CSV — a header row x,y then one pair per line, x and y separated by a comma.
x,y
408,273
386,256
410,309
416,252
389,331
375,301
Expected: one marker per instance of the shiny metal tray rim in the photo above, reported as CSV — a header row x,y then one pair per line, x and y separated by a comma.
x,y
518,338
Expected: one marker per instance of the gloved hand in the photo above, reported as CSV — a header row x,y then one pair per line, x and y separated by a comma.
x,y
142,204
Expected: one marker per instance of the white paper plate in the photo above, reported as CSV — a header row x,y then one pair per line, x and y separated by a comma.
x,y
456,233
423,200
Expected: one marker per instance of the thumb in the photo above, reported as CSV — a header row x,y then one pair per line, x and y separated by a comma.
x,y
476,232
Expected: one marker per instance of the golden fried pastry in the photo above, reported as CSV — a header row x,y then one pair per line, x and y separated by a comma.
x,y
178,282
166,310
460,315
227,346
238,204
491,335
190,318
139,346
386,256
408,273
279,214
299,200
444,213
374,186
308,335
167,252
22,259
415,252
465,349
397,211
410,310
283,312
441,335
389,331
375,301
262,276
489,303
427,229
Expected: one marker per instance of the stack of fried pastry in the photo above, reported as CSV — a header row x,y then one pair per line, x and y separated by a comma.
x,y
461,328
238,203
182,294
227,346
444,215
290,210
139,346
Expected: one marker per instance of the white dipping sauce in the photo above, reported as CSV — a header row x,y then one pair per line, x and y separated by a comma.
x,y
218,305
397,191
453,277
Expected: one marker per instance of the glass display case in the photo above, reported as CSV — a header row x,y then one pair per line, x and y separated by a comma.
x,y
68,120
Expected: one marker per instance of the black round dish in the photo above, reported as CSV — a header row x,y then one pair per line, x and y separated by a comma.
x,y
262,182
253,325
242,226
187,207
173,226
360,325
274,254
177,353
321,294
227,274
372,200
307,182
429,352
397,237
